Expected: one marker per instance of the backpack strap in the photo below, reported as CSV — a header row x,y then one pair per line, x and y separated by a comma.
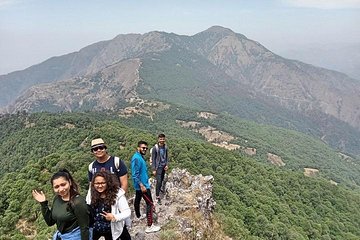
x,y
117,162
150,159
90,166
155,148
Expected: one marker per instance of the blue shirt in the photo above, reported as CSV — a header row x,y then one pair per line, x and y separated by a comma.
x,y
139,171
163,160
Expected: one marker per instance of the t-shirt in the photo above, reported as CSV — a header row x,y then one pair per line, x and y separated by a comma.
x,y
163,159
159,156
67,219
109,166
101,225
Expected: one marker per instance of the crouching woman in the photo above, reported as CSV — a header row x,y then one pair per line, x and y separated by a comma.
x,y
69,210
109,207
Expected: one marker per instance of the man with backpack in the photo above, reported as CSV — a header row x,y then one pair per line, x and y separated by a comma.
x,y
105,162
159,163
111,164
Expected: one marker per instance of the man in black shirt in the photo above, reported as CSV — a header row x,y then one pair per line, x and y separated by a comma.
x,y
105,162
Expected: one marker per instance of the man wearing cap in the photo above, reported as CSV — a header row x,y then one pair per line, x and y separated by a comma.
x,y
105,162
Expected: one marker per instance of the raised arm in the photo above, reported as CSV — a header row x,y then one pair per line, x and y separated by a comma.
x,y
40,197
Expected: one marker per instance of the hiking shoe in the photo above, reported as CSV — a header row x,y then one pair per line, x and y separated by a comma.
x,y
152,228
159,201
143,216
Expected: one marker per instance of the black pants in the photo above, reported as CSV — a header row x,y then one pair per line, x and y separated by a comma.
x,y
125,235
97,235
160,174
149,205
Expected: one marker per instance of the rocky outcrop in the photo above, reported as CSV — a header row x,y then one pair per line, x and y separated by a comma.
x,y
333,182
206,115
211,134
250,151
189,124
186,211
214,136
275,159
27,228
311,172
228,146
142,107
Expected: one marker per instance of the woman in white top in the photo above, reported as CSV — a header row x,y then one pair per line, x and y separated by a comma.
x,y
109,207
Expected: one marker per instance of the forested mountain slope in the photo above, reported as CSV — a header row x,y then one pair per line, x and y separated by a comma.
x,y
254,200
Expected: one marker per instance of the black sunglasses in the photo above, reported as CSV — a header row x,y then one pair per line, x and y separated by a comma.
x,y
94,149
144,148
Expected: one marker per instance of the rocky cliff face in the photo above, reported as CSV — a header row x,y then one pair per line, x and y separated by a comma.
x,y
186,211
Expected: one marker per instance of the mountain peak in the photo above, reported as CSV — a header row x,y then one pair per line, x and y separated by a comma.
x,y
219,29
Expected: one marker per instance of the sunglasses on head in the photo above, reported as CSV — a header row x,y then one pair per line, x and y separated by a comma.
x,y
94,149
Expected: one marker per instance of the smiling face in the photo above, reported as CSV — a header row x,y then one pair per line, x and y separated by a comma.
x,y
142,148
99,151
100,184
161,141
61,187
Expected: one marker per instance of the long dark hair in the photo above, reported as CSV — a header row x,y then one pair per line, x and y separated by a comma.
x,y
74,188
112,188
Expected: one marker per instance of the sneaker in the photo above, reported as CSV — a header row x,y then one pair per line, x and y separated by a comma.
x,y
152,228
143,216
158,201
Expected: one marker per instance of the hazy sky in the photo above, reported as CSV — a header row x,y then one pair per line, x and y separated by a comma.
x,y
31,31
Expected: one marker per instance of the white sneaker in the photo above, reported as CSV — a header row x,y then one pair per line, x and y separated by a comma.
x,y
152,228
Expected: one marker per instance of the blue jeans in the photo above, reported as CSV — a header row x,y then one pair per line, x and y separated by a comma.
x,y
75,234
